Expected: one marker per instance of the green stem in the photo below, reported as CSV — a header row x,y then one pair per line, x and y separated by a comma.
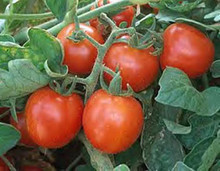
x,y
22,35
92,14
27,16
205,81
69,168
85,9
106,8
11,167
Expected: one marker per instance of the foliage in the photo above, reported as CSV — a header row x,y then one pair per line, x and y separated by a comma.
x,y
181,127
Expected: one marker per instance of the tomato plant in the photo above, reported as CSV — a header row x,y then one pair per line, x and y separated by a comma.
x,y
22,127
52,119
112,123
188,49
79,57
148,76
125,15
132,61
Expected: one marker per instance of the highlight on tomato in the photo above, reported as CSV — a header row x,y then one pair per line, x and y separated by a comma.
x,y
188,49
53,120
21,126
138,67
126,15
112,123
79,56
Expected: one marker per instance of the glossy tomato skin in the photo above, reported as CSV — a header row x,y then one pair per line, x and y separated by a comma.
x,y
30,168
79,57
188,49
22,128
126,15
3,166
112,123
52,119
138,67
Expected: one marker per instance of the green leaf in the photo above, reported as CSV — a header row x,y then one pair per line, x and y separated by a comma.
x,y
122,167
201,128
216,166
115,84
194,158
9,137
176,128
210,154
42,46
125,157
176,90
214,14
180,166
166,15
184,6
161,149
215,69
6,38
21,79
58,8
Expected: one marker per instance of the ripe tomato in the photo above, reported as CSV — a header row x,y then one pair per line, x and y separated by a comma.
x,y
3,166
22,128
124,16
30,168
52,119
112,123
188,49
137,66
79,57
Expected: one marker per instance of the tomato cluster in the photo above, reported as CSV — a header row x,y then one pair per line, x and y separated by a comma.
x,y
112,123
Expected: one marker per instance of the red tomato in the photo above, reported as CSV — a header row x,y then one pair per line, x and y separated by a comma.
x,y
52,119
188,49
30,168
3,166
137,66
124,16
112,123
22,128
79,57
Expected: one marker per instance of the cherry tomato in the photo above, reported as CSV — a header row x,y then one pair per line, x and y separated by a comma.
x,y
79,57
138,67
124,16
3,166
30,168
22,128
112,123
52,119
188,49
